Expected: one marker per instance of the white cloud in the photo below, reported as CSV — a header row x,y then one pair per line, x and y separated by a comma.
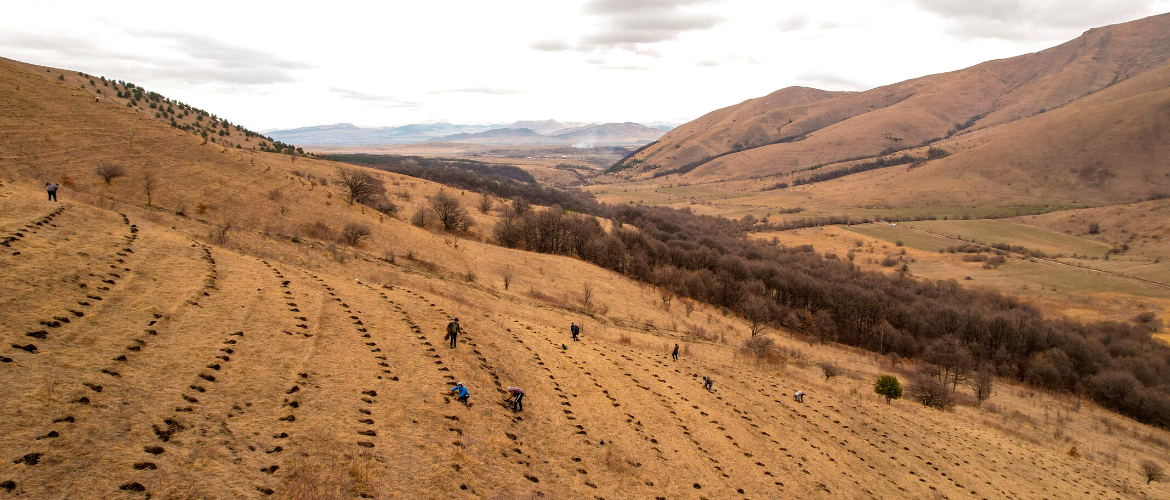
x,y
793,23
1028,20
498,62
373,99
630,24
481,90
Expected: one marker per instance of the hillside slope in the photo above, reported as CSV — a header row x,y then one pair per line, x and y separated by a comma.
x,y
236,351
952,108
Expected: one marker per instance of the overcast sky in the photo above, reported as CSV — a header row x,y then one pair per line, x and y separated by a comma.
x,y
290,64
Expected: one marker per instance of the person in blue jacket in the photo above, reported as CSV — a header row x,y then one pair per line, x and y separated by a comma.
x,y
460,393
575,330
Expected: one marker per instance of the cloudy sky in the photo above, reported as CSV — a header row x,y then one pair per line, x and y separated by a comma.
x,y
289,64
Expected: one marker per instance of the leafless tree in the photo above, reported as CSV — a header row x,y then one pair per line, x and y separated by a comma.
x,y
587,294
688,306
219,234
422,217
485,203
829,370
756,313
520,206
931,392
110,171
507,273
508,231
353,233
149,185
359,183
982,384
450,212
760,347
1152,471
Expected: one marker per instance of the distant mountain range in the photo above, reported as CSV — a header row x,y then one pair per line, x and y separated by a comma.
x,y
584,136
528,132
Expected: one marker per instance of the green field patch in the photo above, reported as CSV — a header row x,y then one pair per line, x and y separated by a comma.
x,y
908,237
996,231
1079,280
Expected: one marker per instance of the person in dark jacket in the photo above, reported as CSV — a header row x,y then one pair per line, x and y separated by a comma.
x,y
575,330
453,331
51,187
516,398
708,383
674,354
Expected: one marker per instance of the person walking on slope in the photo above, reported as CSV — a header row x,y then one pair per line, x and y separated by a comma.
x,y
575,330
51,187
708,383
798,396
453,331
516,398
674,354
460,393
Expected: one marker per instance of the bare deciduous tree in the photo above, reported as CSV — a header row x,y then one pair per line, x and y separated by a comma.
x,y
149,185
755,311
829,370
760,347
1152,471
982,384
931,392
507,273
485,203
110,171
353,233
450,212
360,184
219,234
587,294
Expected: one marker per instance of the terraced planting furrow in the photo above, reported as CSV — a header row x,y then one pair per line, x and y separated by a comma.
x,y
197,368
93,353
695,429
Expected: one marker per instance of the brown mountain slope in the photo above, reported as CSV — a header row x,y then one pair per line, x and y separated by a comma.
x,y
142,355
793,137
1110,147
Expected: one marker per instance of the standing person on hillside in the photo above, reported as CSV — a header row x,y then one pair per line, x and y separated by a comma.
x,y
460,393
708,383
453,331
575,330
51,187
674,354
516,398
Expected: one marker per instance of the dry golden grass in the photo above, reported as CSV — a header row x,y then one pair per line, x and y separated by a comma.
x,y
1079,123
304,369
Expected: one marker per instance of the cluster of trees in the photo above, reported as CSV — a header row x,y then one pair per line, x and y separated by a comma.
x,y
710,259
931,154
502,181
443,211
172,110
361,187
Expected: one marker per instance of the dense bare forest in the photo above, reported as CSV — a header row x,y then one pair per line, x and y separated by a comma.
x,y
961,332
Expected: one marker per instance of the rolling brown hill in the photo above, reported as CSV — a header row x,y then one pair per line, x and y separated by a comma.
x,y
993,116
217,342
